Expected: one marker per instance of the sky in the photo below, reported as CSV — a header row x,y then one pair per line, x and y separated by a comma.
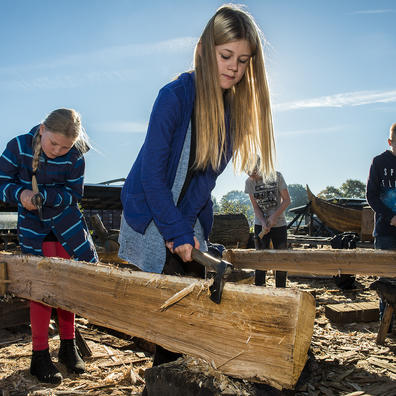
x,y
330,66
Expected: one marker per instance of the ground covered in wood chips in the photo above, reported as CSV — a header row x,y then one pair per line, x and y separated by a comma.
x,y
344,359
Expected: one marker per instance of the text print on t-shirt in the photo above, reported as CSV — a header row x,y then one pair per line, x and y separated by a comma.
x,y
266,195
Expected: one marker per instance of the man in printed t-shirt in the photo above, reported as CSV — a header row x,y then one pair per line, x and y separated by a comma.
x,y
269,198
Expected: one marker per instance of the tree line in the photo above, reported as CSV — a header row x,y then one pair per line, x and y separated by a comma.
x,y
238,201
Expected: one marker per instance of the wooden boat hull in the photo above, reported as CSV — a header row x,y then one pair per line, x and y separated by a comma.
x,y
257,333
337,217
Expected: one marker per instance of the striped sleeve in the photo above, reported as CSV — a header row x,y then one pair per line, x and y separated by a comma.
x,y
10,186
69,194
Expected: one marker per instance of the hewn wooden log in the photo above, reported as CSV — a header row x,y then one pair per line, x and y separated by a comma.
x,y
317,262
256,333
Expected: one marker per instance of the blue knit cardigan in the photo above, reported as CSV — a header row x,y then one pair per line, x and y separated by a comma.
x,y
60,181
146,194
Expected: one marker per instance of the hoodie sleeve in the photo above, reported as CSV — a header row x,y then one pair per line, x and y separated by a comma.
x,y
373,193
165,118
10,185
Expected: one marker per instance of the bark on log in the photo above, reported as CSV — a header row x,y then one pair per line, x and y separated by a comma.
x,y
230,230
317,262
259,334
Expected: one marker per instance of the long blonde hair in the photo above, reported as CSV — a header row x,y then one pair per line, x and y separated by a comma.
x,y
249,101
67,122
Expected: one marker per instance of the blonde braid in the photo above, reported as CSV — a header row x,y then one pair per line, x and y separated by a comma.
x,y
36,157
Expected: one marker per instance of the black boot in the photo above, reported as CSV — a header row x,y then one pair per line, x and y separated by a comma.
x,y
280,278
69,356
43,368
259,277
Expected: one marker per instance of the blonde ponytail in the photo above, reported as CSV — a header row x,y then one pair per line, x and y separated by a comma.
x,y
36,151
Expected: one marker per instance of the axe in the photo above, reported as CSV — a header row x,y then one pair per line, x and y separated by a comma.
x,y
221,268
37,199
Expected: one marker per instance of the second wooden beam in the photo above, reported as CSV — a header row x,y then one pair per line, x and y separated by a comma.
x,y
317,262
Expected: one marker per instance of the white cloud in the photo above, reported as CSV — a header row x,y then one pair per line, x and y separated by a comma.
x,y
358,98
379,11
121,127
102,65
57,81
316,131
109,55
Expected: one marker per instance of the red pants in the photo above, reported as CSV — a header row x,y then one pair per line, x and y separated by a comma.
x,y
40,314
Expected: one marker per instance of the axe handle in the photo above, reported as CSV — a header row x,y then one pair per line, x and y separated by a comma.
x,y
205,259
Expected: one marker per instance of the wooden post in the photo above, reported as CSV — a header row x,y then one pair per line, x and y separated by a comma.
x,y
385,322
366,233
3,279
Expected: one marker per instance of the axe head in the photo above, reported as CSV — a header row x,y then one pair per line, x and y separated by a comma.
x,y
216,290
37,200
221,268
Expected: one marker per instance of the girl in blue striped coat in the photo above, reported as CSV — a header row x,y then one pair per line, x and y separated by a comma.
x,y
42,172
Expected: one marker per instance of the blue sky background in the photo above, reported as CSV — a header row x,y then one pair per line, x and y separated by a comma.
x,y
331,69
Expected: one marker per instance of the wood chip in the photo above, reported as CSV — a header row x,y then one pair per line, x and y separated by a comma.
x,y
382,363
110,353
115,364
178,296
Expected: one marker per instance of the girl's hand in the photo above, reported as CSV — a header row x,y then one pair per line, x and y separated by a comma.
x,y
26,199
393,221
197,245
184,251
169,245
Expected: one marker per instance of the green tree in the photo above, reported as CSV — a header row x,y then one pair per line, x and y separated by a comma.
x,y
236,196
298,195
353,188
237,202
330,192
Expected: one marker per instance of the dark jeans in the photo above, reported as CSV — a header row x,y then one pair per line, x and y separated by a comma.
x,y
278,236
385,242
174,265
